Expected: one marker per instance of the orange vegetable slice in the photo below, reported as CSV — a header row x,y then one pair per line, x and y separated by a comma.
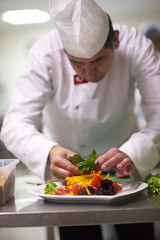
x,y
96,181
116,185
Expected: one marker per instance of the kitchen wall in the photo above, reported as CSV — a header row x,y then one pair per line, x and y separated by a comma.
x,y
15,42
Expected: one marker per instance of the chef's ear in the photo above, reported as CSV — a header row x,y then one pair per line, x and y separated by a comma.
x,y
115,40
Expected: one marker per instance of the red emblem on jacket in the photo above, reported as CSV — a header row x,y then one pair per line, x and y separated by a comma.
x,y
79,80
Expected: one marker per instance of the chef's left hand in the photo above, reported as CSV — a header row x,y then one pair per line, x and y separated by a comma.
x,y
116,159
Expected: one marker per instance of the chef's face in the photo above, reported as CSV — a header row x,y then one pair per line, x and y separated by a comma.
x,y
95,68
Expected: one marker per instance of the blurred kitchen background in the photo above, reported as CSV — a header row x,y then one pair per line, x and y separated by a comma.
x,y
16,40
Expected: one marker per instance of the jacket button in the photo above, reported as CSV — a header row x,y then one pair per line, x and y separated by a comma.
x,y
77,107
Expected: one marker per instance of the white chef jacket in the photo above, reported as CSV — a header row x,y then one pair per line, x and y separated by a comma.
x,y
86,116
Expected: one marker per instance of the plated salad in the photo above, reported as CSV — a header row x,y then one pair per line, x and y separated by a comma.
x,y
90,182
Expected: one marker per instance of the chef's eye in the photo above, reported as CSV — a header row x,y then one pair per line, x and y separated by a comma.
x,y
76,63
98,60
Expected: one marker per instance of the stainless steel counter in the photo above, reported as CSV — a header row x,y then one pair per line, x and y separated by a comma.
x,y
28,210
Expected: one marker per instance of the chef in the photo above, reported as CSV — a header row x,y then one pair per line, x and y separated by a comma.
x,y
79,83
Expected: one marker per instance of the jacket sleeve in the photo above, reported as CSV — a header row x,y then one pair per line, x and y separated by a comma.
x,y
143,147
20,131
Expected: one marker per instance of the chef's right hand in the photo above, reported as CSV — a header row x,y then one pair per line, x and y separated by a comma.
x,y
60,165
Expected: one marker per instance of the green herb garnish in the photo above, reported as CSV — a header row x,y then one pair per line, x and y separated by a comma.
x,y
154,183
85,166
50,187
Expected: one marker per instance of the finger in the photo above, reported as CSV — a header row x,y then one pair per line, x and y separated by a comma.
x,y
129,169
67,165
106,156
61,173
112,162
124,164
63,168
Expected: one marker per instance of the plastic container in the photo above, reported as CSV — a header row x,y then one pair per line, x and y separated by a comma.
x,y
7,179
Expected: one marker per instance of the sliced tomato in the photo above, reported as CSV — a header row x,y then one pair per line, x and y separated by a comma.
x,y
77,189
62,190
118,175
96,181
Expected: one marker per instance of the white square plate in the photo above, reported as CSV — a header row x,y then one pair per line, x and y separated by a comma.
x,y
128,189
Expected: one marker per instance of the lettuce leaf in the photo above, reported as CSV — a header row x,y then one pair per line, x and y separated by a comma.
x,y
154,183
50,187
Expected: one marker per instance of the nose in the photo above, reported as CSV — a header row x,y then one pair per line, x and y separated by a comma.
x,y
89,69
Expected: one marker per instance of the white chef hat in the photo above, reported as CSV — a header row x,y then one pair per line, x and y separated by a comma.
x,y
82,25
